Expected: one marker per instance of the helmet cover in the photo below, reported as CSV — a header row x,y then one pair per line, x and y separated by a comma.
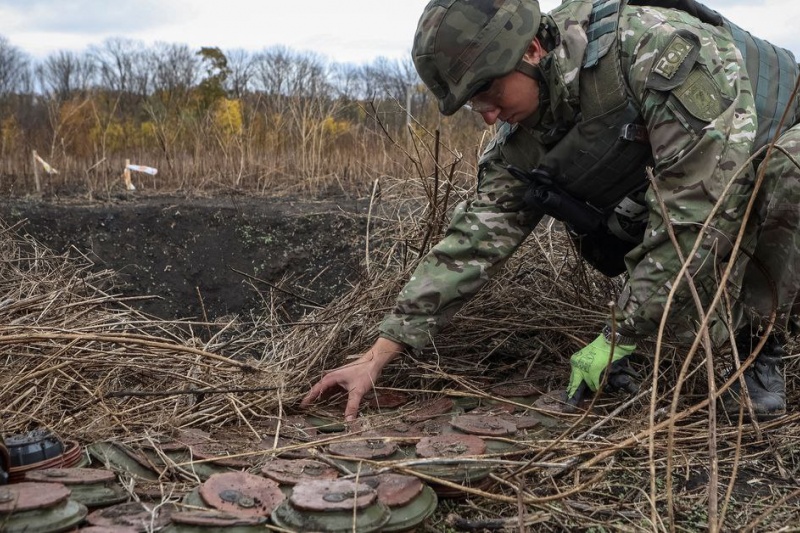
x,y
460,45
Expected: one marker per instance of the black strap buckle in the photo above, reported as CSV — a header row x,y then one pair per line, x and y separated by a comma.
x,y
634,133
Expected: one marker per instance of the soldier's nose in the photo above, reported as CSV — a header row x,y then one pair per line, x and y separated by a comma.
x,y
490,117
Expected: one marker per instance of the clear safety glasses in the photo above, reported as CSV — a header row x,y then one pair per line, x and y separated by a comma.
x,y
485,98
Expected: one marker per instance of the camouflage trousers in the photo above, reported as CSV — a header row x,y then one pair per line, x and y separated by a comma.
x,y
772,276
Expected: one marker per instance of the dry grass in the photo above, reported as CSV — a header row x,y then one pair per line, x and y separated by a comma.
x,y
79,360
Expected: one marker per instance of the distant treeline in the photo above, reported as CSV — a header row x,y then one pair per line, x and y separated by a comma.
x,y
270,121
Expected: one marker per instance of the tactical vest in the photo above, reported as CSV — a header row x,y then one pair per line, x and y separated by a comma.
x,y
602,160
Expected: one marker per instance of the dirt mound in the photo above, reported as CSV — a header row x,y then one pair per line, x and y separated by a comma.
x,y
208,257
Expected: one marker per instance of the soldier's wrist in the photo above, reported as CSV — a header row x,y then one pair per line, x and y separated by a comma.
x,y
615,337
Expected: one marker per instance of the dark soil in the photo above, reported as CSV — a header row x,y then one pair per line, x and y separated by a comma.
x,y
205,258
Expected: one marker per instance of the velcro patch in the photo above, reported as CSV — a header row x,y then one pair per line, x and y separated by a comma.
x,y
673,57
700,96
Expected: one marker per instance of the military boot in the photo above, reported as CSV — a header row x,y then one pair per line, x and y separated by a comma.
x,y
764,378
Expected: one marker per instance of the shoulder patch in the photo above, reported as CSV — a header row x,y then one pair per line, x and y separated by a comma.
x,y
700,96
676,61
670,61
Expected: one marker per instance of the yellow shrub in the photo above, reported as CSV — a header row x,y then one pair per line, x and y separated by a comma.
x,y
334,128
9,132
147,134
227,116
113,137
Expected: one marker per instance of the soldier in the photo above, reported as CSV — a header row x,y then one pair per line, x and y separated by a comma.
x,y
587,98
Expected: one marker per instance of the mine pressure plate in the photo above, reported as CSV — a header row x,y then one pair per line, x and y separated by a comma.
x,y
241,493
293,471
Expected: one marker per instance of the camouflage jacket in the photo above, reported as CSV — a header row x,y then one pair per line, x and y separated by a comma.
x,y
697,149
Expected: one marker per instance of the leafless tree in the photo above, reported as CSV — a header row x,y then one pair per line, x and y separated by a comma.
x,y
281,71
242,68
14,68
273,70
347,81
64,73
310,79
390,78
176,67
119,62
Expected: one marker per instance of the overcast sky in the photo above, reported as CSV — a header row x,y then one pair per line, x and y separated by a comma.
x,y
355,31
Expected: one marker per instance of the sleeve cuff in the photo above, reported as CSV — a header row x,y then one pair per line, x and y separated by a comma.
x,y
412,333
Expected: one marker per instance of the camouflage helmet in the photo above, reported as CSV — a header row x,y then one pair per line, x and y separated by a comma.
x,y
460,45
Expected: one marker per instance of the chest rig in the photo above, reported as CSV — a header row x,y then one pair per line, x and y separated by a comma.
x,y
602,158
593,177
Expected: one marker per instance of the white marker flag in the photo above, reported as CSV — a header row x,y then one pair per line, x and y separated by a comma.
x,y
45,165
141,168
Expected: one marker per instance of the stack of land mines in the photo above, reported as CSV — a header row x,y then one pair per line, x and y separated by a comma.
x,y
305,472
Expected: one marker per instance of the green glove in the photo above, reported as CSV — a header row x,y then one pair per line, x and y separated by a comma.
x,y
589,363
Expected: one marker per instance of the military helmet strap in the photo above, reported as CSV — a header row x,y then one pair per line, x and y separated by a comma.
x,y
532,71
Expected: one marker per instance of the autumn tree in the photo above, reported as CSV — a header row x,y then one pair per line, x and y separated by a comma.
x,y
212,86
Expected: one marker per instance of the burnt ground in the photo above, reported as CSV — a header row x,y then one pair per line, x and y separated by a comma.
x,y
236,253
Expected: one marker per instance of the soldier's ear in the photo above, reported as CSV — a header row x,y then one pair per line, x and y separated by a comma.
x,y
535,52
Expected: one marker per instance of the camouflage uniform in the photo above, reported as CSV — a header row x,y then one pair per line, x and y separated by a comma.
x,y
702,132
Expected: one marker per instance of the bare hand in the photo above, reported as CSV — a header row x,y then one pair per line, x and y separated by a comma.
x,y
357,378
